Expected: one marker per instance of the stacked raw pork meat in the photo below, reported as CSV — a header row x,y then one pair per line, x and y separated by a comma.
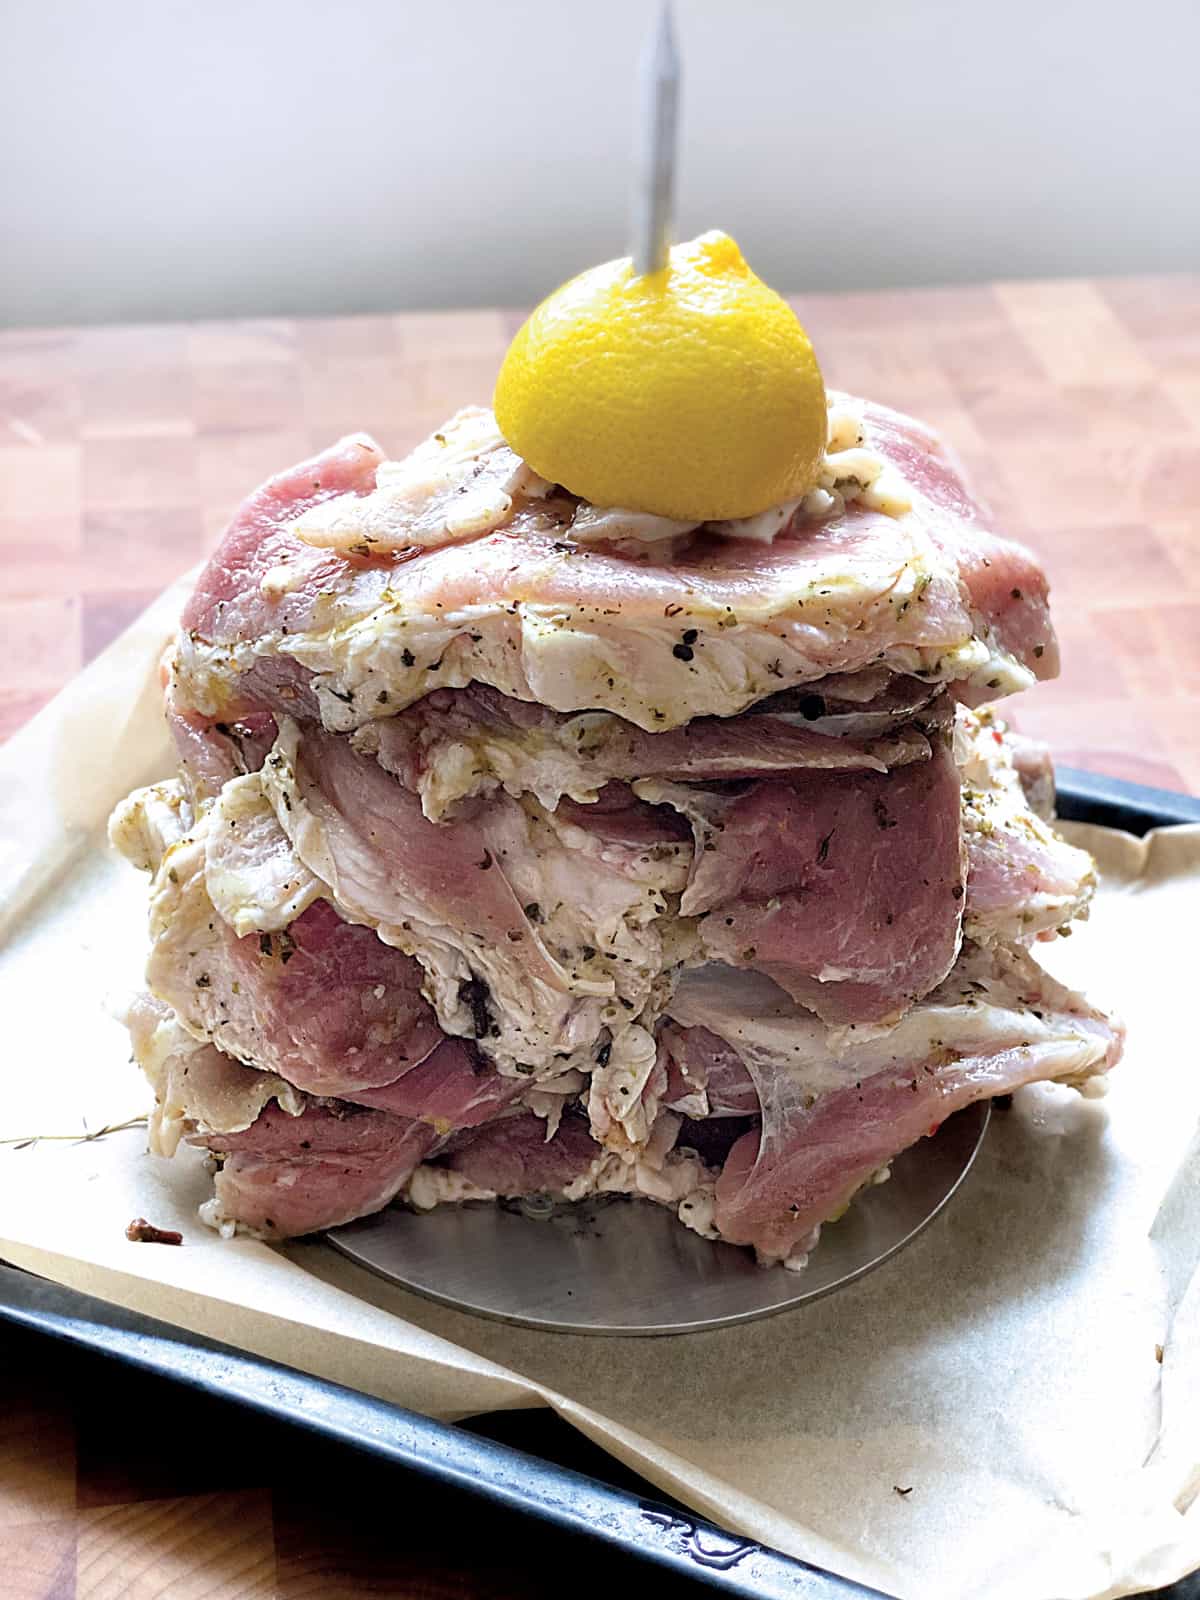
x,y
520,846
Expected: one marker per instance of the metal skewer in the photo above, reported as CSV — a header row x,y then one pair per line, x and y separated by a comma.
x,y
654,179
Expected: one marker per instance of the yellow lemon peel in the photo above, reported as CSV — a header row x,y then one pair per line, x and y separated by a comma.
x,y
691,393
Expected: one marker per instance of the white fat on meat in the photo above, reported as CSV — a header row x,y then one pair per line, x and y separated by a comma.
x,y
622,1104
762,1024
677,1179
254,878
615,649
616,525
457,744
196,1086
642,854
552,1096
989,1001
581,626
147,823
459,483
187,937
450,757
535,950
431,1186
464,480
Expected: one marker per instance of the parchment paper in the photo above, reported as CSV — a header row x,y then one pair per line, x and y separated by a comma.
x,y
1005,1367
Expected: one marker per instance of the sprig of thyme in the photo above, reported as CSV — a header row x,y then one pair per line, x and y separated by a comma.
x,y
86,1137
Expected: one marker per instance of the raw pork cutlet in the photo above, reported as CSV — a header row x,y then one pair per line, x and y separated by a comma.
x,y
290,1165
525,846
847,890
286,1176
784,904
1011,603
539,935
836,1106
195,1086
578,626
510,1158
458,743
271,973
1025,881
846,887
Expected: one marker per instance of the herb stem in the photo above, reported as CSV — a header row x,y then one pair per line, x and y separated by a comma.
x,y
85,1137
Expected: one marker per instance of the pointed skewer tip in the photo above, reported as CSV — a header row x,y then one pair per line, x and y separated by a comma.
x,y
665,47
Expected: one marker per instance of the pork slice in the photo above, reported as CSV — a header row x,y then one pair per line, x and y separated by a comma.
x,y
513,1157
846,890
321,1002
193,1082
747,746
837,1106
581,629
870,704
705,1075
453,1088
459,743
287,1176
364,835
655,638
1008,591
1024,880
260,572
252,875
532,946
212,750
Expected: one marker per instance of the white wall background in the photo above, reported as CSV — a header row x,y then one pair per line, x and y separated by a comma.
x,y
167,158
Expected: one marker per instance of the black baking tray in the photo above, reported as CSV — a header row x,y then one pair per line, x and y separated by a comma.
x,y
642,1525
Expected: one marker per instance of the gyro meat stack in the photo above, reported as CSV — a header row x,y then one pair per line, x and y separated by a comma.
x,y
524,845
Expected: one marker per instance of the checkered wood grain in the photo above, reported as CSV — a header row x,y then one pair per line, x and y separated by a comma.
x,y
123,451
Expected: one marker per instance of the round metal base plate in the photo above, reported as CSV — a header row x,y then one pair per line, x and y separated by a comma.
x,y
614,1266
